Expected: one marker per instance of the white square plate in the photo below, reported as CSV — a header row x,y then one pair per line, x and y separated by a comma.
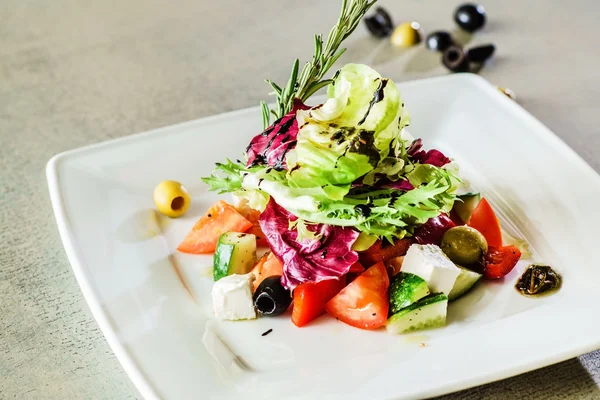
x,y
153,304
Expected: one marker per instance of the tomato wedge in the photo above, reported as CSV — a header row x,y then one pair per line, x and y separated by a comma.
x,y
310,299
383,251
364,302
485,221
500,261
220,218
394,265
356,268
253,215
268,265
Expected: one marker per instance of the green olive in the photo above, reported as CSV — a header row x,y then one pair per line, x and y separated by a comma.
x,y
171,198
464,245
406,35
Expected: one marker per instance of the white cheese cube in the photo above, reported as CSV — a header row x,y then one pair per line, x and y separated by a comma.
x,y
430,263
232,297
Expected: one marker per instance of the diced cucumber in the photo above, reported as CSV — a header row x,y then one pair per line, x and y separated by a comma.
x,y
405,289
465,281
427,313
465,204
235,254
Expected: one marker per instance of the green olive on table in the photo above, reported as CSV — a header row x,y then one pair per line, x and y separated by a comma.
x,y
464,245
406,35
171,198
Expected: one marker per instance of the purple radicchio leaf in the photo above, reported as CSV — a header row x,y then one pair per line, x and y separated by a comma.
x,y
432,231
329,257
271,146
433,157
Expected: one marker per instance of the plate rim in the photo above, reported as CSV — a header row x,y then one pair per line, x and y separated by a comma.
x,y
106,325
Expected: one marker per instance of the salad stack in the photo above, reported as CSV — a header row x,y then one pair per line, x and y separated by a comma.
x,y
359,220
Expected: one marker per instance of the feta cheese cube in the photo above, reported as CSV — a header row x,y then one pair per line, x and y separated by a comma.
x,y
232,297
430,263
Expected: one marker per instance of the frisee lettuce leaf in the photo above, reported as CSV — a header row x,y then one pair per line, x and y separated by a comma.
x,y
227,177
391,213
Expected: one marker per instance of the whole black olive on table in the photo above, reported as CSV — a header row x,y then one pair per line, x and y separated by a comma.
x,y
380,24
439,41
271,298
470,17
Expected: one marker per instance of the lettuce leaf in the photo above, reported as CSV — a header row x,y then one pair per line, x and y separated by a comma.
x,y
324,253
350,134
389,213
227,177
349,162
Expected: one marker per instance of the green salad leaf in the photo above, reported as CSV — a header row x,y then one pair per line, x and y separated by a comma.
x,y
339,141
348,151
227,177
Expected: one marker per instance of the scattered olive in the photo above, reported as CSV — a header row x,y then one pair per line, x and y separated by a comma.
x,y
271,298
480,54
171,198
508,92
464,245
455,59
380,24
406,35
470,17
439,41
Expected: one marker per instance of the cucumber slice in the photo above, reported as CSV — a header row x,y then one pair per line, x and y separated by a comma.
x,y
464,282
465,205
405,289
235,254
427,313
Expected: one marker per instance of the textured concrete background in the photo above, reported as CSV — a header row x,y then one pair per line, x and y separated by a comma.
x,y
78,72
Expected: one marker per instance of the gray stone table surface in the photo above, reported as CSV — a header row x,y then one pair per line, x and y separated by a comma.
x,y
77,72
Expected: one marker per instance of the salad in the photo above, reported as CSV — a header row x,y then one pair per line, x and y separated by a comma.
x,y
359,219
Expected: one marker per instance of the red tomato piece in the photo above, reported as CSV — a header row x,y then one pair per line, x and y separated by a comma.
x,y
364,302
356,268
268,265
310,299
253,215
394,265
220,218
485,221
500,261
383,251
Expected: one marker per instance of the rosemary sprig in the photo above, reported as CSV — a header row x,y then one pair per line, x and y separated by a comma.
x,y
303,84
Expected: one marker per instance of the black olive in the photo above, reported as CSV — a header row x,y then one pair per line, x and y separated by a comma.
x,y
455,59
470,17
271,298
380,24
480,54
439,41
363,210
